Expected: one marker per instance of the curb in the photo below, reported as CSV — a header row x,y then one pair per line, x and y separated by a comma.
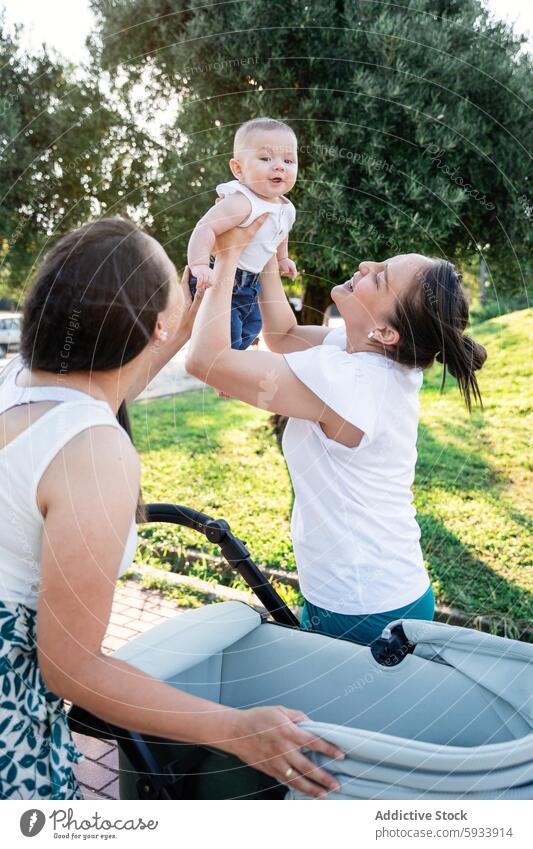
x,y
218,592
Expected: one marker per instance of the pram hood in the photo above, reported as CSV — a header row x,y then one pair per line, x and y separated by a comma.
x,y
501,666
381,766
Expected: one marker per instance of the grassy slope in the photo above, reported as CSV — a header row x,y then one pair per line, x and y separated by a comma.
x,y
470,491
473,484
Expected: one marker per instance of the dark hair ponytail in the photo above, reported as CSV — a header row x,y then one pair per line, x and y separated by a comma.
x,y
431,322
462,356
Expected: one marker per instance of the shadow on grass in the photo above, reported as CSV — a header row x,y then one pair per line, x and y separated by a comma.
x,y
465,582
194,421
452,467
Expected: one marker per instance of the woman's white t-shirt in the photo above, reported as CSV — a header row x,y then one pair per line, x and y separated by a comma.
x,y
355,535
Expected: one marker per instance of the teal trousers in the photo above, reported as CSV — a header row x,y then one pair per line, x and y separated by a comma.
x,y
365,628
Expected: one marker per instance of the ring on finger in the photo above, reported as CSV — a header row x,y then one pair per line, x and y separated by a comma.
x,y
289,772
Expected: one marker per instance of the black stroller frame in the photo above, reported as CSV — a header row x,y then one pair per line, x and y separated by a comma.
x,y
156,782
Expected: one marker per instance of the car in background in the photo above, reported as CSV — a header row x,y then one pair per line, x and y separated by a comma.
x,y
10,327
295,305
332,317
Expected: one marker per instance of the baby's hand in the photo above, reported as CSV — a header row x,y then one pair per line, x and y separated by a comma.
x,y
288,268
205,276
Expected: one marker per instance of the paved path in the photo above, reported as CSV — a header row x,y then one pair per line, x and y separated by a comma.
x,y
134,611
172,379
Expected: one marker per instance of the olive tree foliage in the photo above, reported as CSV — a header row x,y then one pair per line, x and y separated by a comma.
x,y
67,154
412,120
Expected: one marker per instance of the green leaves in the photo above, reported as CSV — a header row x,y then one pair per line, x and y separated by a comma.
x,y
357,79
367,87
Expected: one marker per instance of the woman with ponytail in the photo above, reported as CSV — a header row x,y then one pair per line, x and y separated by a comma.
x,y
351,396
431,323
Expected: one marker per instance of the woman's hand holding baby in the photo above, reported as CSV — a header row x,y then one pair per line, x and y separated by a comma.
x,y
234,241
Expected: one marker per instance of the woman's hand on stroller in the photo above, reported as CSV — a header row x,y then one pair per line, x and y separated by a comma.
x,y
269,739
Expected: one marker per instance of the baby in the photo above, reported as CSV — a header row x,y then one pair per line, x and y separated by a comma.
x,y
264,165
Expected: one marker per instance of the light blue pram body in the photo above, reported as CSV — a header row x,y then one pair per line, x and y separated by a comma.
x,y
452,720
428,711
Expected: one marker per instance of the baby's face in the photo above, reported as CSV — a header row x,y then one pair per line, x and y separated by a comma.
x,y
267,162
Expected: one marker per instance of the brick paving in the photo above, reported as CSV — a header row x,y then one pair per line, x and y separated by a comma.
x,y
134,611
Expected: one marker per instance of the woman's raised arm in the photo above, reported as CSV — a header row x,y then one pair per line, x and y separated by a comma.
x,y
281,331
260,378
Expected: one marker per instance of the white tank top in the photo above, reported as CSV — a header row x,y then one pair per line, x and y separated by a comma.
x,y
272,232
23,462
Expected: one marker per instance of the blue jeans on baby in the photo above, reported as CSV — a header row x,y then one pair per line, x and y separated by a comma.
x,y
364,629
246,320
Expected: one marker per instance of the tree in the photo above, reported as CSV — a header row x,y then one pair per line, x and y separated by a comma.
x,y
412,122
64,155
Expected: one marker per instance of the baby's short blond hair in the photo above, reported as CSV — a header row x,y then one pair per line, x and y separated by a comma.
x,y
257,124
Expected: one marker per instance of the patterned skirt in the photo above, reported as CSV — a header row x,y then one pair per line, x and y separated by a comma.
x,y
36,747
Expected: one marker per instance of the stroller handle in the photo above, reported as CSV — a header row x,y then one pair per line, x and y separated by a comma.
x,y
233,550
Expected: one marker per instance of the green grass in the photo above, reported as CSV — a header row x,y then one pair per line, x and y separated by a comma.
x,y
220,457
471,492
473,483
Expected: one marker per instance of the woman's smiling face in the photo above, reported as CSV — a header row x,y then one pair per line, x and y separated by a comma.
x,y
368,300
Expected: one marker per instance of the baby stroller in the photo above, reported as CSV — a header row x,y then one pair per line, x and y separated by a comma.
x,y
428,711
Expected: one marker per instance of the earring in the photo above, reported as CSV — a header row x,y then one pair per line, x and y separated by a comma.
x,y
164,335
371,334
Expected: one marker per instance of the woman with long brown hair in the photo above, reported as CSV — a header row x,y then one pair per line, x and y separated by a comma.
x,y
103,316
